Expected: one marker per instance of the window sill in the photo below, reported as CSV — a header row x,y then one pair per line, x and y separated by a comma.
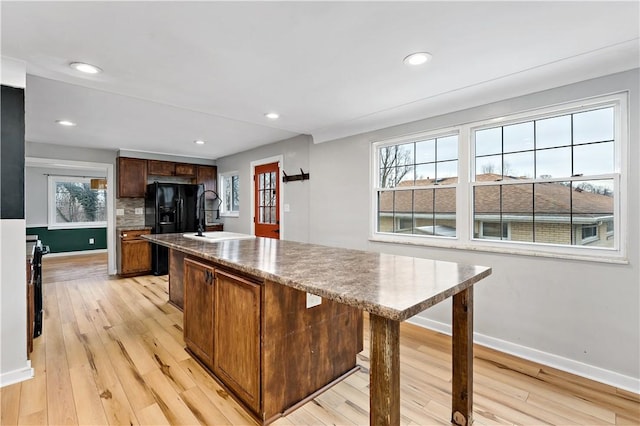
x,y
511,248
230,214
84,225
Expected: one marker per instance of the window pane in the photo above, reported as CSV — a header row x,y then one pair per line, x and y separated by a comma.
x,y
235,189
403,212
489,141
519,164
423,207
553,163
404,176
552,208
518,137
593,208
425,173
553,132
426,151
517,211
388,177
593,126
448,148
447,169
76,202
445,212
495,230
385,211
486,206
593,159
488,166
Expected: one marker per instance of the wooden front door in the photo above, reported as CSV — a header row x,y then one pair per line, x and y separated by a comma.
x,y
267,200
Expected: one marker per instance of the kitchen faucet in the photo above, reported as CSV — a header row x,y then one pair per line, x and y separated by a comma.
x,y
201,216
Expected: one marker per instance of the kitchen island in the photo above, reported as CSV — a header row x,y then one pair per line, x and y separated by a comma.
x,y
262,273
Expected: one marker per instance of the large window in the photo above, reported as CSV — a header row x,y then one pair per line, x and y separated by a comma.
x,y
77,202
550,181
229,191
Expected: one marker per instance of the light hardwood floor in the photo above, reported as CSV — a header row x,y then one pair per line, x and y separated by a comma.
x,y
112,353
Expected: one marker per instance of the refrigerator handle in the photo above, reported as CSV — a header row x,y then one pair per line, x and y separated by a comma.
x,y
179,214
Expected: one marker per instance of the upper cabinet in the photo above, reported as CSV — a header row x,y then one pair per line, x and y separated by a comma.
x,y
208,176
133,174
169,168
132,177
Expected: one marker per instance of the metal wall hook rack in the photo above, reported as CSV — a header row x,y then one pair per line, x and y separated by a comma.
x,y
302,176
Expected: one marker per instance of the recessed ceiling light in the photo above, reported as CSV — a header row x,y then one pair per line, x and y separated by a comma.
x,y
85,68
65,123
417,58
199,142
272,115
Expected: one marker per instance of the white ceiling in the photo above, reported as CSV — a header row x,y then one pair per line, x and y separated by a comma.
x,y
179,71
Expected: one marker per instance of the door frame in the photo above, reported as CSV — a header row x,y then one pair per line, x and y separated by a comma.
x,y
275,159
108,168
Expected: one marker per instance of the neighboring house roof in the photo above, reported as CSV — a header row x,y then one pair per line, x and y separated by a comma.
x,y
551,199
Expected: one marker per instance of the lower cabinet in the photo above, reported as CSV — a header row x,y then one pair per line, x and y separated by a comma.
x,y
236,355
135,253
261,341
199,309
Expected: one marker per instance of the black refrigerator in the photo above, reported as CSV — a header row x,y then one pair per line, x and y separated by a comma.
x,y
170,208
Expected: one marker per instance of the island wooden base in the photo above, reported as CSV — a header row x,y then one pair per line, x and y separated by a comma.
x,y
384,376
285,412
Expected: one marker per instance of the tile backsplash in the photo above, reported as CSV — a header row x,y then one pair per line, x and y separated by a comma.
x,y
129,205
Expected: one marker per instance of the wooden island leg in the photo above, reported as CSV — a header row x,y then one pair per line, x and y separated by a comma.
x,y
384,373
462,341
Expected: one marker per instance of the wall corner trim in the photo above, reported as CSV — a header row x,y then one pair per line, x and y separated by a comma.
x,y
608,377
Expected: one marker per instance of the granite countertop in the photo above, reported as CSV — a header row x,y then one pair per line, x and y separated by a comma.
x,y
131,228
394,287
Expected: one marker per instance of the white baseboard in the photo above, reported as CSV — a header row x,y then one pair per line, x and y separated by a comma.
x,y
75,253
16,376
578,368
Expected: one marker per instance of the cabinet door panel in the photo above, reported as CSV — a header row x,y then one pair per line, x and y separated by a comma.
x,y
132,177
136,256
198,309
208,175
188,170
162,168
237,336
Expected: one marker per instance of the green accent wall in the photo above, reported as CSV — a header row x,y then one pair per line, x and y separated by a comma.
x,y
65,240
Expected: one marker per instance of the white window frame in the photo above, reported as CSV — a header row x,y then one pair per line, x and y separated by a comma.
x,y
51,205
223,208
375,235
466,174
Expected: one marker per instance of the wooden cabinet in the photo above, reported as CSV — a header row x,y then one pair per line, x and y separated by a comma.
x,y
236,358
176,278
132,177
135,253
261,340
208,176
199,309
186,170
161,168
169,168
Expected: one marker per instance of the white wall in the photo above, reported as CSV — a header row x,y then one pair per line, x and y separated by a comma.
x,y
577,315
295,152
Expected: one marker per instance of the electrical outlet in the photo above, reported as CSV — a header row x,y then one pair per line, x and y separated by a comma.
x,y
287,208
313,300
92,241
139,210
119,212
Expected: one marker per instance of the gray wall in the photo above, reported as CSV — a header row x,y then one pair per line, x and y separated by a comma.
x,y
37,191
576,315
295,152
62,152
573,311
